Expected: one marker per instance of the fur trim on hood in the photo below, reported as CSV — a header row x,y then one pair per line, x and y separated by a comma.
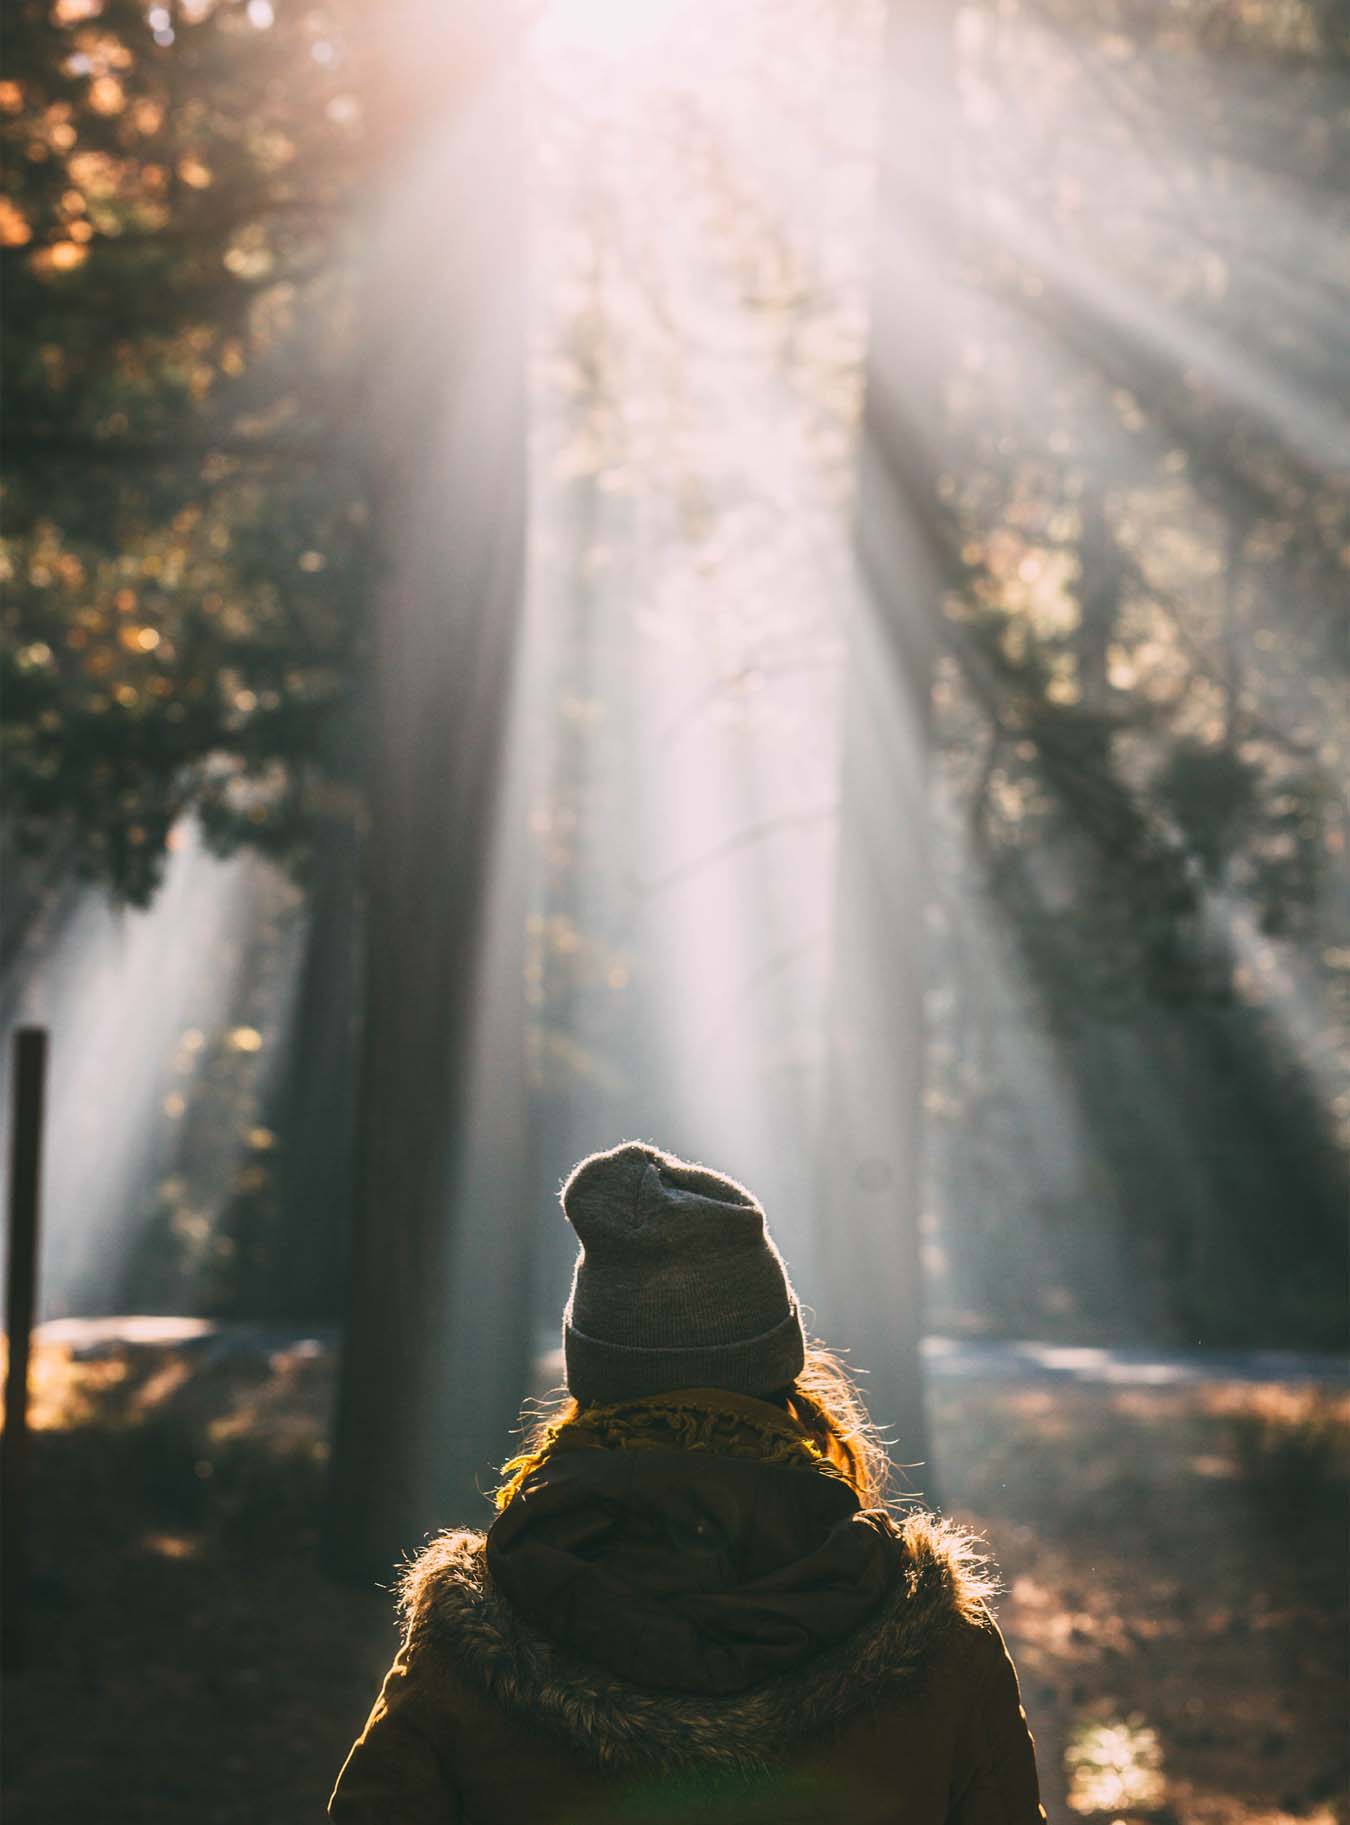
x,y
453,1610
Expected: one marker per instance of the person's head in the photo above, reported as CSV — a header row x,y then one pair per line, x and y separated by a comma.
x,y
679,1286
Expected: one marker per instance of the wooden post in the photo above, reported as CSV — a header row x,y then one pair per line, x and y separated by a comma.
x,y
25,1172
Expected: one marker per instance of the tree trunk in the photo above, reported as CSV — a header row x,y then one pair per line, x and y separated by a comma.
x,y
437,1347
316,1104
869,1252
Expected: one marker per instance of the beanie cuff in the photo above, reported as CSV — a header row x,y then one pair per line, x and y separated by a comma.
x,y
599,1373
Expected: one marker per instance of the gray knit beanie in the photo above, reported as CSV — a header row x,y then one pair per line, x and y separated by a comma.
x,y
677,1284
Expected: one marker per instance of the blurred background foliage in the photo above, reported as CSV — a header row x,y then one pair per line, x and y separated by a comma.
x,y
186,557
1139,950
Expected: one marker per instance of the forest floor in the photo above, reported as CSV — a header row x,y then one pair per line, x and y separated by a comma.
x,y
1173,1557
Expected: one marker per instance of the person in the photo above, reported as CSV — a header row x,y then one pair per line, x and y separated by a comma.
x,y
693,1602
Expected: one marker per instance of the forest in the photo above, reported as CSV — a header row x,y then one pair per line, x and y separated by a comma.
x,y
769,577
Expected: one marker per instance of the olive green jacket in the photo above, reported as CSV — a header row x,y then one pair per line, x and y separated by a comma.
x,y
912,1716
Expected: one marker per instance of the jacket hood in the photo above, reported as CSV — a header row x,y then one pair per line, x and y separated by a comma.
x,y
689,1571
662,1609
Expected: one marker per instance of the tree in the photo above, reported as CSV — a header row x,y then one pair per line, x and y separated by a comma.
x,y
186,540
186,544
264,463
1142,653
871,1127
437,1349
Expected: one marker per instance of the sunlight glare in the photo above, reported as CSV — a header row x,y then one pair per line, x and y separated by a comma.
x,y
610,31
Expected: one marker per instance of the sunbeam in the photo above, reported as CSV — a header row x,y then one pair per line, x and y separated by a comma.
x,y
751,596
169,1025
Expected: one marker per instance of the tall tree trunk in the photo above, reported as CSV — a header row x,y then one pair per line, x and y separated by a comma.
x,y
870,1268
315,1104
437,1345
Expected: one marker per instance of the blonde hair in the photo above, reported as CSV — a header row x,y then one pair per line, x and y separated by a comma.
x,y
826,1423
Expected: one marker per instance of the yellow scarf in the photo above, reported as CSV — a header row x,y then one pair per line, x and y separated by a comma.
x,y
691,1419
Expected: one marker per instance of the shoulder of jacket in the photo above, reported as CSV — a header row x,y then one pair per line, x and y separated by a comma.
x,y
951,1561
447,1577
